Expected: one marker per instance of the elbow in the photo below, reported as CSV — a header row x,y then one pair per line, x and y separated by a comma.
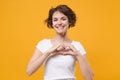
x,y
89,76
28,72
92,76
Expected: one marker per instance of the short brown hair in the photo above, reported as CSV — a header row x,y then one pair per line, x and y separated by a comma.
x,y
66,11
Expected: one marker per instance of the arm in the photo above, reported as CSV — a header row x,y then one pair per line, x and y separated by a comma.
x,y
82,60
38,59
84,66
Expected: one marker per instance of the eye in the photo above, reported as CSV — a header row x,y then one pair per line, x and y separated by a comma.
x,y
54,20
63,18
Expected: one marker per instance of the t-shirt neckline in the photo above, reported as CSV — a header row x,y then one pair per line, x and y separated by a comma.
x,y
52,44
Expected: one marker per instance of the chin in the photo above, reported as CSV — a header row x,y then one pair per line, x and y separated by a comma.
x,y
61,33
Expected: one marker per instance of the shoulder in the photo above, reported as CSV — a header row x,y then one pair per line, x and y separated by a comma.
x,y
43,41
43,45
79,47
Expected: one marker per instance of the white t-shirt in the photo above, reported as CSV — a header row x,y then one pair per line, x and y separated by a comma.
x,y
59,67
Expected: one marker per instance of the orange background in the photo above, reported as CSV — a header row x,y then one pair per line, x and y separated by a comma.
x,y
22,26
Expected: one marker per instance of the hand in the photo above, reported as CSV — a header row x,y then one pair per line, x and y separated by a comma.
x,y
54,48
67,49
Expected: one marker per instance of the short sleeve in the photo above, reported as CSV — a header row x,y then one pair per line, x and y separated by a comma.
x,y
80,48
42,45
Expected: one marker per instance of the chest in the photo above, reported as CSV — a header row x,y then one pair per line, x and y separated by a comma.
x,y
61,60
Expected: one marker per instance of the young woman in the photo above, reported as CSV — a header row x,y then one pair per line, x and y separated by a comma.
x,y
60,53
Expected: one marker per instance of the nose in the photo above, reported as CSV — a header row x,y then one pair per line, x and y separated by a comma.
x,y
59,22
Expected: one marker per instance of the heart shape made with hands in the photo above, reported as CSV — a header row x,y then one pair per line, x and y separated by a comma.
x,y
66,49
63,48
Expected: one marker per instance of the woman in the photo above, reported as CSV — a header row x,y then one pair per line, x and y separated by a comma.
x,y
60,53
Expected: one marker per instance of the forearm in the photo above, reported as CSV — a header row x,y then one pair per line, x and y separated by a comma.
x,y
85,68
32,67
85,72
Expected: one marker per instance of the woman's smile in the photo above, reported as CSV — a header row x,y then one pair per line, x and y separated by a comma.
x,y
60,27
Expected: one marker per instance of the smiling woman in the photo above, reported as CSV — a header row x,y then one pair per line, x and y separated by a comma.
x,y
60,53
60,22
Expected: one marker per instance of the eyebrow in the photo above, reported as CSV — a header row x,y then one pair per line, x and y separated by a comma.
x,y
61,17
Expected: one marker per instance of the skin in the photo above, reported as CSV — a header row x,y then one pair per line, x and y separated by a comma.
x,y
60,41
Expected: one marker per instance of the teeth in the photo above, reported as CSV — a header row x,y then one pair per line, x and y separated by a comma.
x,y
61,27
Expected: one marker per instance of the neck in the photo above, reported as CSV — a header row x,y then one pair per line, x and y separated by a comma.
x,y
61,37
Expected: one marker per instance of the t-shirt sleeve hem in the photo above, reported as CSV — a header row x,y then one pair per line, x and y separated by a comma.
x,y
39,49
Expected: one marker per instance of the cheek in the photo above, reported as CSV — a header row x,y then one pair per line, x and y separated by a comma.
x,y
53,23
66,22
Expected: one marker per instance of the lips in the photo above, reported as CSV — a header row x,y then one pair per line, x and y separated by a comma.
x,y
60,27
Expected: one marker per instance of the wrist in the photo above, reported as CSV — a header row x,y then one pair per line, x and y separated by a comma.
x,y
77,54
48,52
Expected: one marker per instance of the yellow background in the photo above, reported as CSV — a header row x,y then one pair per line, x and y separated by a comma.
x,y
22,26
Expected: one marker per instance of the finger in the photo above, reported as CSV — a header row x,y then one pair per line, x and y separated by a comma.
x,y
67,48
72,47
66,52
58,45
69,52
60,48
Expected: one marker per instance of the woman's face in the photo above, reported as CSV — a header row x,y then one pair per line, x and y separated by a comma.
x,y
60,22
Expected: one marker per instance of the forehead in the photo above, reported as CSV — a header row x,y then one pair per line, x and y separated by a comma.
x,y
58,14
